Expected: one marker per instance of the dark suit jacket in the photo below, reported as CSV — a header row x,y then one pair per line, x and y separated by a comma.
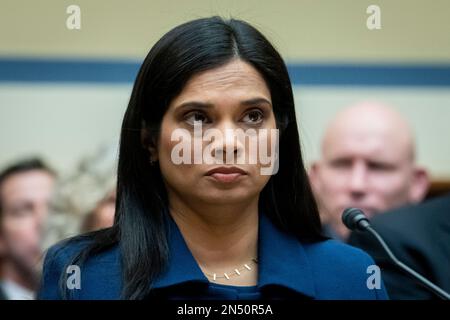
x,y
420,237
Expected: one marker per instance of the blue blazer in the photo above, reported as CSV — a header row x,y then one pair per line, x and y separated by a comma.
x,y
287,269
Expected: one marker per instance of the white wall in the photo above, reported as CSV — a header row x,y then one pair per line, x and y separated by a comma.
x,y
427,110
64,123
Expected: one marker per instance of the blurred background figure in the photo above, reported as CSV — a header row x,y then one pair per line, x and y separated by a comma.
x,y
25,193
420,237
367,161
102,216
84,199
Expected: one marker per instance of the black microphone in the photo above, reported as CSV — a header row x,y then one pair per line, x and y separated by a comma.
x,y
355,219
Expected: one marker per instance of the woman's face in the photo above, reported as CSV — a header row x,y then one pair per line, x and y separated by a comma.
x,y
201,129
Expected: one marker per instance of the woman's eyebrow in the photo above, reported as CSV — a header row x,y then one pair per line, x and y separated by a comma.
x,y
195,104
255,101
207,105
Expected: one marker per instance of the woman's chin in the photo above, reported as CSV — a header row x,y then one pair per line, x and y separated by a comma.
x,y
226,197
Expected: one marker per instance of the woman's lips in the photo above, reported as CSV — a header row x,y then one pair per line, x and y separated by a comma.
x,y
226,174
226,177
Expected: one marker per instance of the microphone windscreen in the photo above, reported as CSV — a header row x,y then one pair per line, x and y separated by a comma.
x,y
350,217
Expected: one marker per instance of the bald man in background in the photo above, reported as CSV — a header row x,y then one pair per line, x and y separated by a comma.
x,y
368,162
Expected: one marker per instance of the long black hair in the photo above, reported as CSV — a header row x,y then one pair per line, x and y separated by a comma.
x,y
142,206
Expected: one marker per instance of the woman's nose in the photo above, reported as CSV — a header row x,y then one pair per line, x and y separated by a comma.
x,y
228,145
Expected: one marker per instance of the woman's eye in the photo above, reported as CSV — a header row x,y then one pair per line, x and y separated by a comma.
x,y
196,116
254,116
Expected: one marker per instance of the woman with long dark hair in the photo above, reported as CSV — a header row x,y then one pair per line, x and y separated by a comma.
x,y
199,213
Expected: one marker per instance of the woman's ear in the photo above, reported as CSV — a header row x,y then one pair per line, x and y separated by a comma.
x,y
149,143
